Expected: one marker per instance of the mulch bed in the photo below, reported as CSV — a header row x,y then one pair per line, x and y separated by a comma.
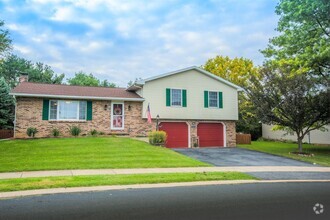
x,y
302,154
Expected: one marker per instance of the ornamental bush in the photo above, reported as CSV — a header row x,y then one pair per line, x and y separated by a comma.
x,y
55,132
157,137
31,131
75,130
94,132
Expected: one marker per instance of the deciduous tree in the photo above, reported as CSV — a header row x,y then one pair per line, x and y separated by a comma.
x,y
5,41
295,103
83,79
13,66
304,37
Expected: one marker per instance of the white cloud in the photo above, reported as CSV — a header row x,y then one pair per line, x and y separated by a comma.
x,y
64,14
22,49
122,40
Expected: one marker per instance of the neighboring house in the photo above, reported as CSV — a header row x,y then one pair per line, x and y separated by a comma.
x,y
315,137
194,107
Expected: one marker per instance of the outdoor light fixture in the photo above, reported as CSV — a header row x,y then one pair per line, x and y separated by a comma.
x,y
105,107
157,125
129,107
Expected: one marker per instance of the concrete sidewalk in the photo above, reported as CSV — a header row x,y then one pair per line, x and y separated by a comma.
x,y
245,169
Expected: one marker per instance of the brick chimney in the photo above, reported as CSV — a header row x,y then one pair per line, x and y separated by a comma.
x,y
23,78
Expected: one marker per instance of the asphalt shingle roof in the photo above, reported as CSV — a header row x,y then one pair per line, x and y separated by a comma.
x,y
68,90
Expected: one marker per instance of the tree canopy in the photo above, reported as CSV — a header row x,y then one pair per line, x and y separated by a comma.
x,y
293,92
13,66
5,41
83,79
237,70
292,103
304,37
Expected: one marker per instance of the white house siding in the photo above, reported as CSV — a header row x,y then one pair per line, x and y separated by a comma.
x,y
195,83
139,92
316,136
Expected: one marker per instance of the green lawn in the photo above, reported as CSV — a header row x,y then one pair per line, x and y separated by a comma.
x,y
321,153
87,153
101,180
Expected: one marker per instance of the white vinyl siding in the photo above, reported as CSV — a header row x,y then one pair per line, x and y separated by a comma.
x,y
154,92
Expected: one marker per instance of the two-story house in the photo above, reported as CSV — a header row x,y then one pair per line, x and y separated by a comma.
x,y
193,106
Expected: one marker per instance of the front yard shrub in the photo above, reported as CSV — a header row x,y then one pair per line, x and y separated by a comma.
x,y
55,132
157,137
31,131
94,132
75,130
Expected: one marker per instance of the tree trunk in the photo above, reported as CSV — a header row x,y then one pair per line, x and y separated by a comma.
x,y
300,144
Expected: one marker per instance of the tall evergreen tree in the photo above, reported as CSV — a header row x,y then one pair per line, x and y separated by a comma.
x,y
6,106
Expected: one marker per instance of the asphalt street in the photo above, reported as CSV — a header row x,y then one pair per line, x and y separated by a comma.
x,y
242,201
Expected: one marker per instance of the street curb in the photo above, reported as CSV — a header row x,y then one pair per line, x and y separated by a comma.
x,y
8,195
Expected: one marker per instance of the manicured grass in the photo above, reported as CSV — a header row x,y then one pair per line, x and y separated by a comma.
x,y
321,153
87,153
101,180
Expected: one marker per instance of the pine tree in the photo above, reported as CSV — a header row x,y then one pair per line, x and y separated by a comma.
x,y
6,106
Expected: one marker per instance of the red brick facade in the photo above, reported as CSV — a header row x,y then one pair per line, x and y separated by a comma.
x,y
29,114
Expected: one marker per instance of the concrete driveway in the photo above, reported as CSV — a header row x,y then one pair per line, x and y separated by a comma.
x,y
238,157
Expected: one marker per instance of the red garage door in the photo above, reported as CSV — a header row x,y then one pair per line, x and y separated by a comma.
x,y
210,134
177,134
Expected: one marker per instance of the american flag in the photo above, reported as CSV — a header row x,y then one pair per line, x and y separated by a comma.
x,y
149,114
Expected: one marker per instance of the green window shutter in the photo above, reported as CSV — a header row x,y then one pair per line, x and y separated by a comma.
x,y
220,100
184,98
168,97
89,110
206,99
45,109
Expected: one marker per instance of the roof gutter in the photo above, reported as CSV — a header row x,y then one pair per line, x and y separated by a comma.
x,y
77,97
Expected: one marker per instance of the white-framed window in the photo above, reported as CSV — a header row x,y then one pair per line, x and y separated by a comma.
x,y
176,97
67,110
213,99
117,116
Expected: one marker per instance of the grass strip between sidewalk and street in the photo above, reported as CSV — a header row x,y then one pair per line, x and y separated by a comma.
x,y
7,185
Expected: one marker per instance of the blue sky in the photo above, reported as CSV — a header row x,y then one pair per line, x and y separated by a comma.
x,y
120,40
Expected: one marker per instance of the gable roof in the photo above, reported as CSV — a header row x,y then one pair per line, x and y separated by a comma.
x,y
29,89
142,82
